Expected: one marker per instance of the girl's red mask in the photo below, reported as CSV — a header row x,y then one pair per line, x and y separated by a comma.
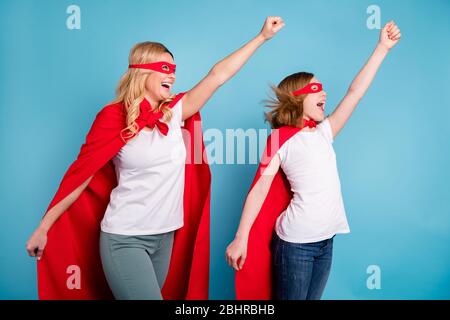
x,y
310,88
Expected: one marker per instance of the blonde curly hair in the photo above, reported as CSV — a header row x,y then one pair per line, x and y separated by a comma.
x,y
131,88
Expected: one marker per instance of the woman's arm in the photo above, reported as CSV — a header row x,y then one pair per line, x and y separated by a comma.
x,y
221,72
36,244
389,37
238,248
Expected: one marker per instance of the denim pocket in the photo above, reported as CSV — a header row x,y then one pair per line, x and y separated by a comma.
x,y
275,246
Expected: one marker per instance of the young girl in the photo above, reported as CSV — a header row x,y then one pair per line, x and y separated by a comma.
x,y
290,216
132,190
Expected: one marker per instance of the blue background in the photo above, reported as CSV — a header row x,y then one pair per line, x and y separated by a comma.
x,y
393,155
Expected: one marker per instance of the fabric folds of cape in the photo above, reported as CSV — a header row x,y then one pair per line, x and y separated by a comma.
x,y
254,281
71,268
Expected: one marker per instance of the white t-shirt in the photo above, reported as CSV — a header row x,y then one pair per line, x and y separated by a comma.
x,y
148,198
316,211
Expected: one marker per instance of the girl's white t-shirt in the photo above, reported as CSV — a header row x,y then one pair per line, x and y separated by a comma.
x,y
316,211
148,198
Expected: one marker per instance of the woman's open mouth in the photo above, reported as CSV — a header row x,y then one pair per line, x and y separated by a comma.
x,y
166,85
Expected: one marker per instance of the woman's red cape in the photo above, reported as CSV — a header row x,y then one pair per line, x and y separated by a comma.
x,y
71,268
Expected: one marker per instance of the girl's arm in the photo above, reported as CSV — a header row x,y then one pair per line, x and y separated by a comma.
x,y
221,72
238,248
36,244
389,37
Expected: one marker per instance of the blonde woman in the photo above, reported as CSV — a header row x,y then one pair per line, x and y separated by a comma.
x,y
135,190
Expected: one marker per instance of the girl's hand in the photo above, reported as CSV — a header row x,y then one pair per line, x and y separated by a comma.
x,y
36,244
237,249
389,35
271,26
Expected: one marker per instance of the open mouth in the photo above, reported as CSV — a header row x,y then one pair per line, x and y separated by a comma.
x,y
166,85
321,105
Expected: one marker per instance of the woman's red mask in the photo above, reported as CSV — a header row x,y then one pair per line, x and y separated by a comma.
x,y
310,88
159,66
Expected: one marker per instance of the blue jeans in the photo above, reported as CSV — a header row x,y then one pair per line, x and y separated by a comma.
x,y
301,270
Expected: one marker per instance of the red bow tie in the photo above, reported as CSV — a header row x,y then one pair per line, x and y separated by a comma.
x,y
309,123
149,118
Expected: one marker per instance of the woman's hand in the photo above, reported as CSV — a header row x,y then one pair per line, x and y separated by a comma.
x,y
236,249
271,26
389,35
36,244
225,69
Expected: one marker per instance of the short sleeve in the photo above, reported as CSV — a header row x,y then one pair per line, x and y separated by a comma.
x,y
325,129
178,112
282,151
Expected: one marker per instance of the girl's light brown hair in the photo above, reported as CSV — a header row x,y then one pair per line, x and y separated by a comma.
x,y
286,108
131,88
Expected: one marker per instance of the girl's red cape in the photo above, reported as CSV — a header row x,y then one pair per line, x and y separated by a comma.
x,y
254,281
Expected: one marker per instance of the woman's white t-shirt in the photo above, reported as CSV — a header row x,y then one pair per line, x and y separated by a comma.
x,y
148,198
316,211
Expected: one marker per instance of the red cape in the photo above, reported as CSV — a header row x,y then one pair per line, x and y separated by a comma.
x,y
73,240
254,281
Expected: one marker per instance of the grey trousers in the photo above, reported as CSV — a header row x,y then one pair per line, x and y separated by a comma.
x,y
136,266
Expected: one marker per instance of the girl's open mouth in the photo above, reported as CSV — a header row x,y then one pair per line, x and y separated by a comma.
x,y
321,105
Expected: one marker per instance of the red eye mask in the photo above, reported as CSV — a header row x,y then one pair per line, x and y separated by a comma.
x,y
160,66
310,88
